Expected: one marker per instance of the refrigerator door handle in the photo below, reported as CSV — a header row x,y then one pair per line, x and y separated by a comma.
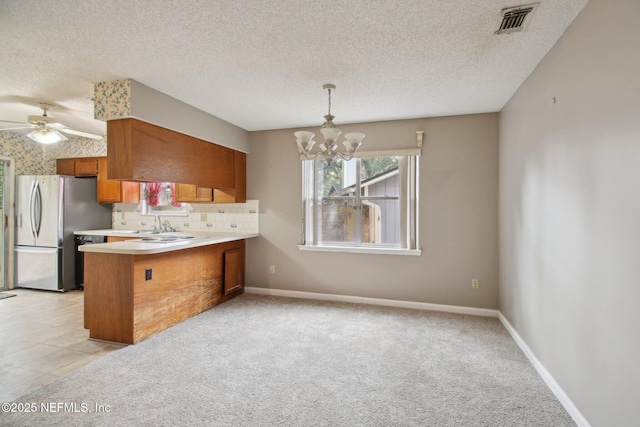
x,y
32,195
39,210
36,209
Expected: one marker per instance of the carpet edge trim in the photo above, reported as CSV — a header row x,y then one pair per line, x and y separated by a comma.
x,y
374,301
564,399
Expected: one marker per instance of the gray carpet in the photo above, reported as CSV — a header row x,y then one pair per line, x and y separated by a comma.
x,y
265,361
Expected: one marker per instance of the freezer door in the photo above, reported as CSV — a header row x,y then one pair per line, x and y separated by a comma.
x,y
38,268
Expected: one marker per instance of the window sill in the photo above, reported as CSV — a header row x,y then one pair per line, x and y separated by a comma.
x,y
360,250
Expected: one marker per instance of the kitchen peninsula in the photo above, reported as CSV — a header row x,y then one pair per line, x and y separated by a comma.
x,y
146,283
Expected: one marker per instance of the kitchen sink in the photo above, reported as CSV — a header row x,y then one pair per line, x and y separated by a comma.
x,y
166,239
137,231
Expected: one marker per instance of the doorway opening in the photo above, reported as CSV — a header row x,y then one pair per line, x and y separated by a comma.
x,y
6,223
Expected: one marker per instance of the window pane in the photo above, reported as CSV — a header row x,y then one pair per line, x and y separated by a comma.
x,y
381,222
331,177
336,218
373,167
337,221
380,217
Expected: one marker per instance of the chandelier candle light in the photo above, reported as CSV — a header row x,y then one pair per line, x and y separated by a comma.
x,y
305,141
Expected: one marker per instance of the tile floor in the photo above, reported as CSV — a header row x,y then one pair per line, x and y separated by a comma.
x,y
42,338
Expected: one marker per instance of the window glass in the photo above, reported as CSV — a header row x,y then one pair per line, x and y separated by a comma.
x,y
362,202
160,198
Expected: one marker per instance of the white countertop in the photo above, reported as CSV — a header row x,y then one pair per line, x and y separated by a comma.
x,y
138,246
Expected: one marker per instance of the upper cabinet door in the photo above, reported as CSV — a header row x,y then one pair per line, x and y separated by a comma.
x,y
108,190
66,167
192,193
86,166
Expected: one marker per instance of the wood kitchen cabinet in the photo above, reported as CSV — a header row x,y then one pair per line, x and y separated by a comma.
x,y
233,270
66,167
111,191
191,193
81,166
135,148
86,166
108,191
131,297
140,151
111,239
238,194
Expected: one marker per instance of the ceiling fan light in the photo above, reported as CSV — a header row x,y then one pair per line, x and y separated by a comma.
x,y
47,136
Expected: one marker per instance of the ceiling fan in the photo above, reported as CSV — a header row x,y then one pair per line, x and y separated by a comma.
x,y
47,130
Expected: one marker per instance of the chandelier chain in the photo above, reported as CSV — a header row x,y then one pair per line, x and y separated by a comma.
x,y
329,101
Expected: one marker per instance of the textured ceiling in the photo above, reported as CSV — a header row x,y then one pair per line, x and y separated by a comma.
x,y
260,64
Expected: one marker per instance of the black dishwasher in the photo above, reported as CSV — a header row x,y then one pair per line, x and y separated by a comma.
x,y
84,240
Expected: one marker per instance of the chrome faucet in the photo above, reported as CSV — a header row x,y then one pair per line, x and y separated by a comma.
x,y
157,229
166,226
163,226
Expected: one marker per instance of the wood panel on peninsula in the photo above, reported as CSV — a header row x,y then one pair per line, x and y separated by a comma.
x,y
123,305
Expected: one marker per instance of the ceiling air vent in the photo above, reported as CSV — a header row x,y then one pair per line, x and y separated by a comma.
x,y
514,19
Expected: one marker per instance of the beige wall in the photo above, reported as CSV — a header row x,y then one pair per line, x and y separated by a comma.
x,y
458,217
570,212
163,110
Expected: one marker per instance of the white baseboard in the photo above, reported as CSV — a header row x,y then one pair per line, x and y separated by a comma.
x,y
577,416
374,301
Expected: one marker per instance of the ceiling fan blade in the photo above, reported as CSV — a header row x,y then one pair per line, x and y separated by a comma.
x,y
64,129
12,125
12,122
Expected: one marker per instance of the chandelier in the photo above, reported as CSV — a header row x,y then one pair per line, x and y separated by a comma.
x,y
328,149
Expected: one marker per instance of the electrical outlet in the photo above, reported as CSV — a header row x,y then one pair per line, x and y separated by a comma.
x,y
272,269
475,284
203,217
147,274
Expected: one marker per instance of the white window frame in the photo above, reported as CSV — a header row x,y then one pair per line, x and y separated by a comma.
x,y
409,173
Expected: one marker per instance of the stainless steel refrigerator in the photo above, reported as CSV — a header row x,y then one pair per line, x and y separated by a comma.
x,y
49,208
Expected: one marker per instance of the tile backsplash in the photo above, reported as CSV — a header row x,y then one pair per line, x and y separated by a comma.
x,y
213,217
